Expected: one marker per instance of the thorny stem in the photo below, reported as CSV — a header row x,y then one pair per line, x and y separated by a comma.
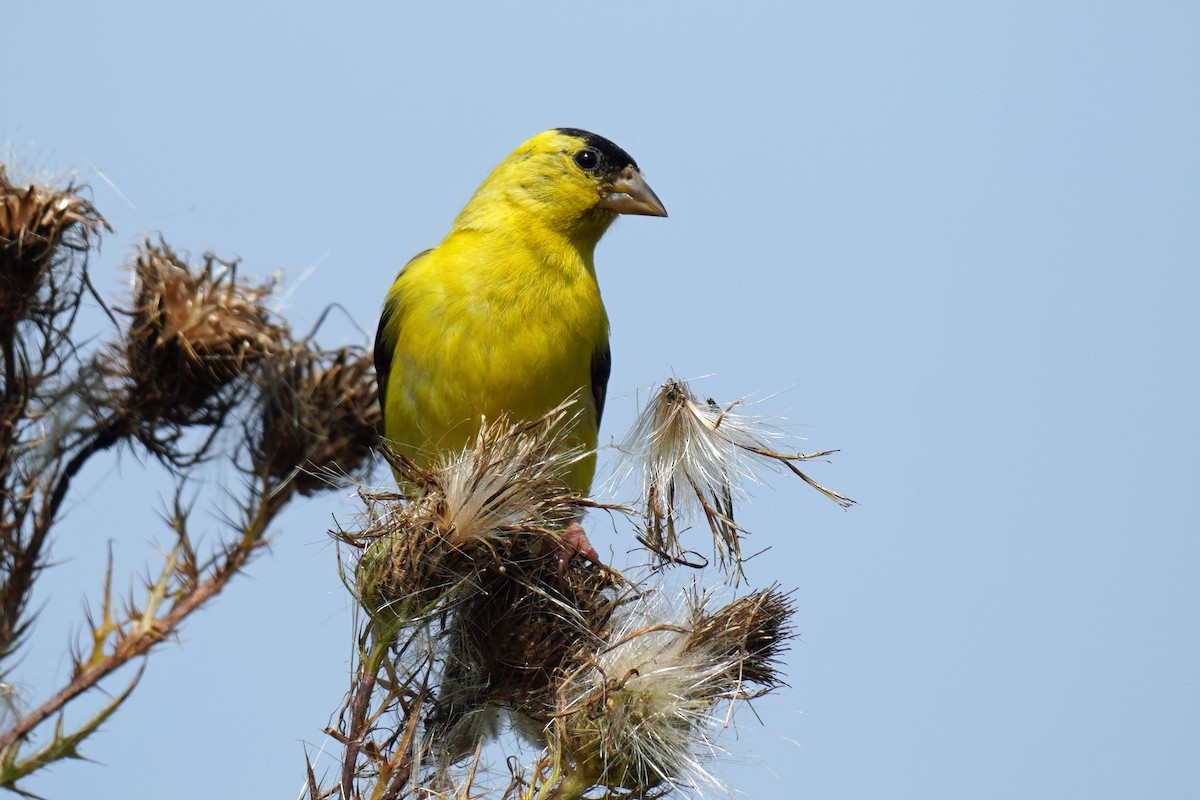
x,y
23,569
364,686
111,431
360,703
395,774
10,370
139,643
10,409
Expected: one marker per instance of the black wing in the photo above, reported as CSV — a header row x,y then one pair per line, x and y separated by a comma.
x,y
385,347
386,339
601,367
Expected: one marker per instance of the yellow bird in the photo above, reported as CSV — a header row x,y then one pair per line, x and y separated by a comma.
x,y
505,316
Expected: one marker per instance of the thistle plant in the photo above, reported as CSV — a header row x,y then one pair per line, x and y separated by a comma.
x,y
192,352
618,684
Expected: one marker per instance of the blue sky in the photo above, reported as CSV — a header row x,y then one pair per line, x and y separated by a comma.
x,y
958,241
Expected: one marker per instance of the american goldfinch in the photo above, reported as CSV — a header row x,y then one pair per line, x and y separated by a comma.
x,y
505,316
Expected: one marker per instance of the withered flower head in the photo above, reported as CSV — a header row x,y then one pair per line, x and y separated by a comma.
x,y
195,329
637,714
474,556
484,509
39,227
320,418
751,633
694,457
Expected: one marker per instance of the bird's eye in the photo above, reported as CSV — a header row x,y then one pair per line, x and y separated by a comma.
x,y
587,159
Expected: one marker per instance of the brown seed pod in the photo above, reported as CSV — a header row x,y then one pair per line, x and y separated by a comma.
x,y
195,329
320,416
475,556
752,631
39,226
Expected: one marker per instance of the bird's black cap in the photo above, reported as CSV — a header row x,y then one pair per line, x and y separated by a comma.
x,y
615,159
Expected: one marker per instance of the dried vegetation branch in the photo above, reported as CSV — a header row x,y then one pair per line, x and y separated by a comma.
x,y
199,351
45,235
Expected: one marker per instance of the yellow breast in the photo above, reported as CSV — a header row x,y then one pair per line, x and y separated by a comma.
x,y
486,326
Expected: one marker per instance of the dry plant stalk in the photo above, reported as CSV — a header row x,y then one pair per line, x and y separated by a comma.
x,y
45,235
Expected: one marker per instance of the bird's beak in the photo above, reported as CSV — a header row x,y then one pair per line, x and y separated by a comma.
x,y
630,194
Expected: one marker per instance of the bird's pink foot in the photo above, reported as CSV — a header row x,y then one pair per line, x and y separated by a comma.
x,y
575,543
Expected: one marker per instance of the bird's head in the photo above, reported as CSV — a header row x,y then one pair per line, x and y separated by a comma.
x,y
566,179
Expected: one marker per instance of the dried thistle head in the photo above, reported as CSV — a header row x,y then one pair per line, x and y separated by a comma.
x,y
194,331
40,226
505,647
635,716
694,459
506,609
320,416
474,554
750,633
497,506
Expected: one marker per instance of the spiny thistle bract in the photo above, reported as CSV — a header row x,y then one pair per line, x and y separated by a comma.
x,y
498,503
320,416
194,331
694,457
750,632
40,227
